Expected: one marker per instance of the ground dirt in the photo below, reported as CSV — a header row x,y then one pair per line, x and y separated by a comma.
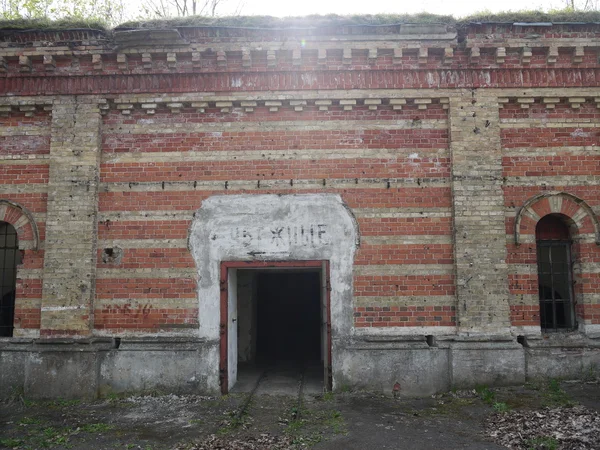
x,y
471,419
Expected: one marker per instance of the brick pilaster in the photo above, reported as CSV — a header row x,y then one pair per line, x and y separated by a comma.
x,y
478,214
71,228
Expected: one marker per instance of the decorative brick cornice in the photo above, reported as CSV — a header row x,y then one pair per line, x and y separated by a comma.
x,y
274,104
549,102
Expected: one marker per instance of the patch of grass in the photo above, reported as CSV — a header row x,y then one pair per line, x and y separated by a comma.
x,y
96,427
307,440
561,15
311,21
114,396
309,427
30,421
11,443
501,407
234,421
553,395
336,422
36,434
63,403
447,407
52,437
328,396
47,24
486,394
542,443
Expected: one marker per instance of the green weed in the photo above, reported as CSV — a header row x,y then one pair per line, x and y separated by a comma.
x,y
11,443
553,395
96,427
501,407
328,396
542,443
486,394
30,421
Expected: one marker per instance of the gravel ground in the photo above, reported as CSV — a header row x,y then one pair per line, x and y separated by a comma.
x,y
548,415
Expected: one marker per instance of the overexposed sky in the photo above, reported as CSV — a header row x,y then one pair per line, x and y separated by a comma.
x,y
457,8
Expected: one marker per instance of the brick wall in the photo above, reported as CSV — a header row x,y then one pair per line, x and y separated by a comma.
x,y
436,146
550,147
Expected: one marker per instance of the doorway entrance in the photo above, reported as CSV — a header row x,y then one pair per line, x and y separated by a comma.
x,y
275,325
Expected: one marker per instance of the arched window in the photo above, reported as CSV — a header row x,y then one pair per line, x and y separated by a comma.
x,y
555,273
9,259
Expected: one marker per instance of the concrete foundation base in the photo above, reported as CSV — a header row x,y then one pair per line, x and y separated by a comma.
x,y
408,366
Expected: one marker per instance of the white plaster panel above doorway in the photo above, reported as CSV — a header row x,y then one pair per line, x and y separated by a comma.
x,y
274,228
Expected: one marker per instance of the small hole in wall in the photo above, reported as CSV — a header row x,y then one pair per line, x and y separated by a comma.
x,y
112,255
431,340
522,340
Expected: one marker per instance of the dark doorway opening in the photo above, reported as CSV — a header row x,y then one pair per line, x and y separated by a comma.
x,y
288,317
278,329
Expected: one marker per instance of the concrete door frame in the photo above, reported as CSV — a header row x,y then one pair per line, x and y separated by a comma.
x,y
323,265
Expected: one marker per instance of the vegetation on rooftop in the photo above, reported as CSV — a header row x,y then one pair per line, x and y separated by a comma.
x,y
556,16
47,24
311,21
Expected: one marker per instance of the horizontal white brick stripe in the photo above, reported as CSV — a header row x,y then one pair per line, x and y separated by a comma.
x,y
143,216
588,150
370,240
404,269
249,185
148,126
557,180
381,213
22,188
28,303
143,243
409,300
366,213
523,299
25,130
393,270
155,303
407,239
587,238
531,269
25,159
276,155
549,123
147,273
29,274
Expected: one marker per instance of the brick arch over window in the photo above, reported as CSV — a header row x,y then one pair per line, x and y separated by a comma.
x,y
584,221
22,221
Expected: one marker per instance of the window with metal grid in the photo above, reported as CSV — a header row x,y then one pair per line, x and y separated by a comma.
x,y
9,259
555,274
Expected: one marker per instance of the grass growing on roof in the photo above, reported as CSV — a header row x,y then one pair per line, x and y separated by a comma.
x,y
47,24
310,21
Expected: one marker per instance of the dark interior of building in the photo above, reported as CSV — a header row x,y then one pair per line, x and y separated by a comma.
x,y
279,330
288,318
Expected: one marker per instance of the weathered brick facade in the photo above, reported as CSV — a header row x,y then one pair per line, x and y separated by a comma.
x,y
446,147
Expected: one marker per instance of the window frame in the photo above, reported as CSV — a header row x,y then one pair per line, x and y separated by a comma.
x,y
572,326
10,325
